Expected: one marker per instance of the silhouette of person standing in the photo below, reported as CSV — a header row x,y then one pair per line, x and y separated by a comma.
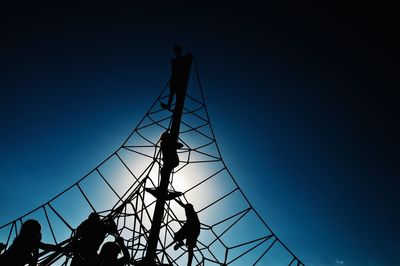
x,y
25,247
189,231
89,236
177,81
109,253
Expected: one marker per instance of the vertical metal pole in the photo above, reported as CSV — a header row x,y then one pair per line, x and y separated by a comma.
x,y
166,170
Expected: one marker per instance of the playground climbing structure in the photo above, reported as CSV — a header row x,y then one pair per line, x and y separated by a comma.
x,y
126,186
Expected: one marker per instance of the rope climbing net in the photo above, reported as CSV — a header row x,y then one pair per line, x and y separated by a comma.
x,y
232,232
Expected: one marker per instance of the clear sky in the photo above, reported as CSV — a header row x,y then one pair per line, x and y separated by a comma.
x,y
301,97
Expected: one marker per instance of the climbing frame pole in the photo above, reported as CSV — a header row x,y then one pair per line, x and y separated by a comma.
x,y
166,170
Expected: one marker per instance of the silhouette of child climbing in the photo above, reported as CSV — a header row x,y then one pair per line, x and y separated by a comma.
x,y
88,238
168,149
25,247
177,80
109,253
189,231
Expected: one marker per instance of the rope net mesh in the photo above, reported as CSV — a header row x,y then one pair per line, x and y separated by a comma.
x,y
232,232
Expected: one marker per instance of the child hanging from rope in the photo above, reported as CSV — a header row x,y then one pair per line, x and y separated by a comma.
x,y
189,231
88,238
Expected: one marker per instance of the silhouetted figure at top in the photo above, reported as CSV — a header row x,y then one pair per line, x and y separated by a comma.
x,y
25,247
88,238
178,79
168,149
189,231
110,251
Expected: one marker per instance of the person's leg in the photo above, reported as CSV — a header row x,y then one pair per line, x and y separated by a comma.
x,y
179,237
178,245
190,256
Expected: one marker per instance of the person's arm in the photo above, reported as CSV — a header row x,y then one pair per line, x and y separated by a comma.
x,y
180,203
179,145
34,257
111,227
48,247
125,251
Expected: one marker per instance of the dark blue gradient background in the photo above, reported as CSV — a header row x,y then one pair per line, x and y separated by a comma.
x,y
302,99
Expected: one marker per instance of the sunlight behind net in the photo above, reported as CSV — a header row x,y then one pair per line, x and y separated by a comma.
x,y
123,187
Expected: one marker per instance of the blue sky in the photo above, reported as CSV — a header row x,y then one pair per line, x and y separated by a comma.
x,y
300,96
